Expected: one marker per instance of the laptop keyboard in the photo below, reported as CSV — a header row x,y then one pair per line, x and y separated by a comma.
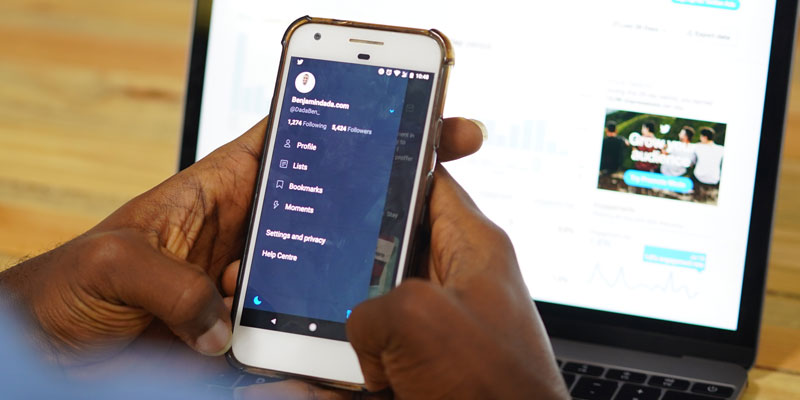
x,y
594,382
584,381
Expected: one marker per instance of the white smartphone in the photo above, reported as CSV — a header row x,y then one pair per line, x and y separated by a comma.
x,y
347,166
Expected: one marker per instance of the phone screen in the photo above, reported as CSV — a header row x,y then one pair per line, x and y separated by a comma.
x,y
338,194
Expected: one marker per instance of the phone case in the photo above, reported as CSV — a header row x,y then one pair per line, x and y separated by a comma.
x,y
423,190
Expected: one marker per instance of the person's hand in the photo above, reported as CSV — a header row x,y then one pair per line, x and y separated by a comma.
x,y
469,331
160,256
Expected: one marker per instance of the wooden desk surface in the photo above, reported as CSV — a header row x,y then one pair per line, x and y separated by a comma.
x,y
90,112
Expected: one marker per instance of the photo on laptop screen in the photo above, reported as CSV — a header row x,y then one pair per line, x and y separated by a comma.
x,y
660,156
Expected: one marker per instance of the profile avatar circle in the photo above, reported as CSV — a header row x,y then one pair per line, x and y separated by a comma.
x,y
305,82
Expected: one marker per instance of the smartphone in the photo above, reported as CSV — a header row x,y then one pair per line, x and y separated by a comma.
x,y
348,162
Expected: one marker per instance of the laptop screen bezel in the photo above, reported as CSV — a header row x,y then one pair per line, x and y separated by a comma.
x,y
195,77
604,327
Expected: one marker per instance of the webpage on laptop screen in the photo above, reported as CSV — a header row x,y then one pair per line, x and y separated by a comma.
x,y
623,135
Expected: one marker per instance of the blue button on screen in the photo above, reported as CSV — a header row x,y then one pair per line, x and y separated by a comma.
x,y
654,180
724,4
675,258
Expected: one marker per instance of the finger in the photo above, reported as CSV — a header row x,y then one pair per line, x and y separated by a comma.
x,y
228,302
224,179
460,137
250,142
180,294
402,334
449,200
458,229
229,277
289,390
382,327
369,332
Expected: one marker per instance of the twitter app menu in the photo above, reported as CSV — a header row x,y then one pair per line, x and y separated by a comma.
x,y
338,192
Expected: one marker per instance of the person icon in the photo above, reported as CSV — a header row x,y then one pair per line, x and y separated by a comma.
x,y
305,82
288,144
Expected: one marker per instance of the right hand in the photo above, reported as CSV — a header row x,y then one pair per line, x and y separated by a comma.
x,y
471,331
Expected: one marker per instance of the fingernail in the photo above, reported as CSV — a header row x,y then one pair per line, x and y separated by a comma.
x,y
216,341
484,131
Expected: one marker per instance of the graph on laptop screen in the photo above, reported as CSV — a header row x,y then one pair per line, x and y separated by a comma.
x,y
623,135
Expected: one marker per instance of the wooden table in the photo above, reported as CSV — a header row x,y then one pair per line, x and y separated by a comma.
x,y
90,111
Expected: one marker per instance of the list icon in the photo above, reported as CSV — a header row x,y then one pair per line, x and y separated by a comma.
x,y
284,164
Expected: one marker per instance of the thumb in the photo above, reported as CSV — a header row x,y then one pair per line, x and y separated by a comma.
x,y
369,332
177,292
404,340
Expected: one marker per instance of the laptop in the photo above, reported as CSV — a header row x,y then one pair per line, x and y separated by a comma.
x,y
632,157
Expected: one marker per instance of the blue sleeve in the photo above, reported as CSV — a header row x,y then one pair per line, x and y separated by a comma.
x,y
23,375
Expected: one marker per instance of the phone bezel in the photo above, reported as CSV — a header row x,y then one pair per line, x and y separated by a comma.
x,y
333,361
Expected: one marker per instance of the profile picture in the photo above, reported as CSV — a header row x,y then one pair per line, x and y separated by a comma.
x,y
305,82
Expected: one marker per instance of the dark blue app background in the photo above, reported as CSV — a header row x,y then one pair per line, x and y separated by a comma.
x,y
334,152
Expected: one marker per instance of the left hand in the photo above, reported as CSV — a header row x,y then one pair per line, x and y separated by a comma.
x,y
158,256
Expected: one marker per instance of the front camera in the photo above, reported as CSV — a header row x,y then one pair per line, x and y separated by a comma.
x,y
317,36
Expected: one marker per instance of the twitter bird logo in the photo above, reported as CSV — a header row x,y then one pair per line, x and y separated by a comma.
x,y
256,301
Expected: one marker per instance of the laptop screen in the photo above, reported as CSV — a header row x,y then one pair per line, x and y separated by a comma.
x,y
623,135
